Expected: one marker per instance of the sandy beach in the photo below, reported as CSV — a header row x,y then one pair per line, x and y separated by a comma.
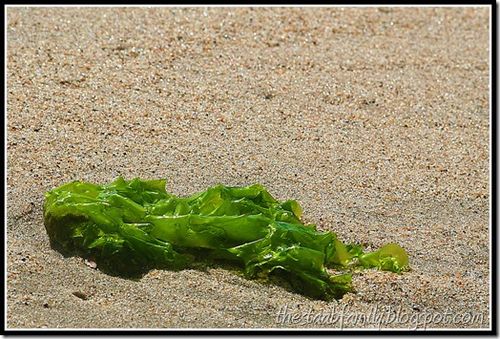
x,y
375,119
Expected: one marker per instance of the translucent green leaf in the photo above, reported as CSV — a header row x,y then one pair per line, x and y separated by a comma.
x,y
132,226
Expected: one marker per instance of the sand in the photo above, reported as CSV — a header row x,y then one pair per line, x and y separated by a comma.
x,y
375,119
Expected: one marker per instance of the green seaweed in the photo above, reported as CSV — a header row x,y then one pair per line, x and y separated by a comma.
x,y
132,226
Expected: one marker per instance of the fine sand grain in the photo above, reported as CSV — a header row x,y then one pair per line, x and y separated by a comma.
x,y
375,119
